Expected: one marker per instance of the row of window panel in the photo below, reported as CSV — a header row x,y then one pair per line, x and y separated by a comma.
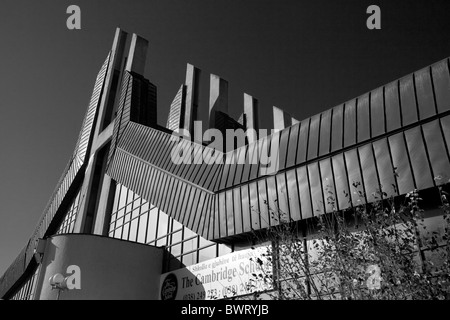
x,y
151,226
375,113
418,154
350,178
156,147
169,193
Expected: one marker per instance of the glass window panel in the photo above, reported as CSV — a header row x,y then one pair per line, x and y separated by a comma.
x,y
229,212
303,141
363,116
419,161
190,245
71,227
237,202
336,127
123,197
175,250
282,196
113,217
392,106
162,242
196,161
204,242
283,148
272,201
215,229
201,211
128,209
241,155
329,194
425,98
207,253
120,213
142,228
254,206
144,207
162,224
226,168
313,141
137,202
292,193
293,144
224,249
176,237
190,210
248,162
179,201
161,186
136,212
341,181
263,204
125,232
408,100
189,233
232,169
437,152
133,230
401,163
325,130
246,213
255,161
354,177
369,173
130,196
176,225
441,82
152,223
385,169
264,156
190,258
222,215
119,222
127,217
445,122
155,185
304,189
350,123
316,189
377,112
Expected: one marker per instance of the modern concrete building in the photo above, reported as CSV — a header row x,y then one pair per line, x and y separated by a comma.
x,y
126,222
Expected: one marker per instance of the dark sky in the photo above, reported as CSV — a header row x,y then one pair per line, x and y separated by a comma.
x,y
302,56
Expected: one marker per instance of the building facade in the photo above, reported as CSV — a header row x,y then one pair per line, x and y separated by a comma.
x,y
137,224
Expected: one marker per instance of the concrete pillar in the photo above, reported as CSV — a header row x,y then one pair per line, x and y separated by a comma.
x,y
218,98
282,119
116,61
251,116
191,100
137,55
93,208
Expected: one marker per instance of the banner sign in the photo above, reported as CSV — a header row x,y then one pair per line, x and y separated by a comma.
x,y
235,274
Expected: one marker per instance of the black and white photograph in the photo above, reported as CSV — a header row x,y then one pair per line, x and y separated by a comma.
x,y
234,153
